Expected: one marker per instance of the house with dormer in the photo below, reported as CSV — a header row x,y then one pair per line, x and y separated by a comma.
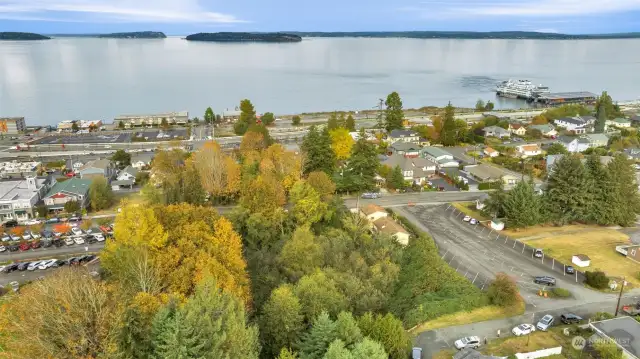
x,y
403,136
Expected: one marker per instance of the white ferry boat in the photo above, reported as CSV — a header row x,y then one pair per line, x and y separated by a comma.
x,y
524,89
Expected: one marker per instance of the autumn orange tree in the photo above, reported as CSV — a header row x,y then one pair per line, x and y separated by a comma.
x,y
62,228
17,231
219,173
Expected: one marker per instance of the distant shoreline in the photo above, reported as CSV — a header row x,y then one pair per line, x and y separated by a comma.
x,y
292,36
22,36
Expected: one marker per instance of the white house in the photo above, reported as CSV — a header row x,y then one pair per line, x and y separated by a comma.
x,y
403,135
576,125
528,150
574,144
495,131
373,212
517,129
407,149
128,174
619,123
388,226
414,169
490,152
19,197
443,158
581,260
596,139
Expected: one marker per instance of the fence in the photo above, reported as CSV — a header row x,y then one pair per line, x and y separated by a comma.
x,y
520,247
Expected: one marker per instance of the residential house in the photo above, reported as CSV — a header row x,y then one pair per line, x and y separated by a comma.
x,y
73,189
373,212
577,124
415,169
619,123
495,131
424,142
141,161
622,331
403,136
126,178
443,158
547,130
517,129
98,168
596,139
486,174
528,150
574,144
635,119
407,149
388,226
552,159
19,197
490,152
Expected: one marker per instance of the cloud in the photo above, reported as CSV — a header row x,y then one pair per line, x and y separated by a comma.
x,y
522,8
157,11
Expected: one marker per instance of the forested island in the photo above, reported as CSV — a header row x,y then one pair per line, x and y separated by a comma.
x,y
472,35
135,35
22,36
243,37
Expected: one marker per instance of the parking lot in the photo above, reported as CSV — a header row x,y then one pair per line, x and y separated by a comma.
x,y
479,254
89,138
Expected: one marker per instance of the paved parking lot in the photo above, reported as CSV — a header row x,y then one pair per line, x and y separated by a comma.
x,y
82,139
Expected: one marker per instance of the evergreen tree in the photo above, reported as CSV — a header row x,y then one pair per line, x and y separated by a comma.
x,y
494,204
601,116
192,190
393,115
209,116
319,156
361,169
369,349
523,207
268,118
388,330
448,134
567,194
315,342
395,179
623,202
332,123
337,350
133,338
610,109
281,320
341,120
178,339
247,117
599,212
350,123
347,329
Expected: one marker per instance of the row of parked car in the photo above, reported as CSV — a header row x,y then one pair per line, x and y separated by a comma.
x,y
55,242
46,264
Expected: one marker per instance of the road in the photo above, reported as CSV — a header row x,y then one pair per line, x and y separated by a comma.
x,y
417,198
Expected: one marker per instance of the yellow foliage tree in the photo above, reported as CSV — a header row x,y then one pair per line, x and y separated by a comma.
x,y
138,225
220,173
284,165
263,195
341,143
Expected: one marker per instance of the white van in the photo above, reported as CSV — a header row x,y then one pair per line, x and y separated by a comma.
x,y
47,264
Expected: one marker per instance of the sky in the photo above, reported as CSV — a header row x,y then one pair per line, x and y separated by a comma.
x,y
182,17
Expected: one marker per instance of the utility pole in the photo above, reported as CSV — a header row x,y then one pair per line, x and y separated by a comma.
x,y
620,295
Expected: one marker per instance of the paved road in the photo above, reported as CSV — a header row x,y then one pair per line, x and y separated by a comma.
x,y
417,198
434,341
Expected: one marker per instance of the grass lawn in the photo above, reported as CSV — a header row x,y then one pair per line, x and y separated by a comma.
x,y
469,208
599,245
512,345
444,354
482,314
132,197
538,232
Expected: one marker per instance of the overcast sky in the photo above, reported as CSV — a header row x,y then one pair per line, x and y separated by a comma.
x,y
179,17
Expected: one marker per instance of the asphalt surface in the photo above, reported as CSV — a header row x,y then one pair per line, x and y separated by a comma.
x,y
417,198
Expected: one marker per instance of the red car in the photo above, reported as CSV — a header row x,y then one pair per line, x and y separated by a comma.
x,y
70,174
105,229
25,246
35,244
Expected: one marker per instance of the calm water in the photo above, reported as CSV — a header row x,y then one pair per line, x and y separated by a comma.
x,y
75,78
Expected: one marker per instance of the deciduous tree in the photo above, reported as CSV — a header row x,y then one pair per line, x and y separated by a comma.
x,y
296,120
209,116
308,206
341,143
100,194
319,293
321,183
121,158
71,207
268,118
388,330
300,255
219,173
503,291
281,320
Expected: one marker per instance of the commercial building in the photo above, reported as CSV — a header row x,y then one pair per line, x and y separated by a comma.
x,y
18,198
12,125
65,126
172,118
15,169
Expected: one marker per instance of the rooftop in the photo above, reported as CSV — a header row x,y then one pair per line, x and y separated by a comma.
x,y
402,133
72,185
485,172
573,121
567,95
157,115
11,118
625,331
102,164
388,226
371,209
404,146
544,128
436,152
495,129
11,190
532,147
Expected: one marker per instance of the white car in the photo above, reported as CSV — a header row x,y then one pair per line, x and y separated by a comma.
x,y
15,238
466,218
31,222
34,265
89,231
473,221
78,240
26,236
47,264
68,241
6,237
467,342
99,237
35,235
77,231
3,248
523,329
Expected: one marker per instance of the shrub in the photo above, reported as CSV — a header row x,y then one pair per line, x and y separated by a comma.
x,y
490,185
560,293
503,291
602,316
597,280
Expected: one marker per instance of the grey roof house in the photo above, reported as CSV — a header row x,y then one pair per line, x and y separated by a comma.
x,y
98,168
623,331
403,135
574,144
596,139
443,158
413,169
405,148
496,131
